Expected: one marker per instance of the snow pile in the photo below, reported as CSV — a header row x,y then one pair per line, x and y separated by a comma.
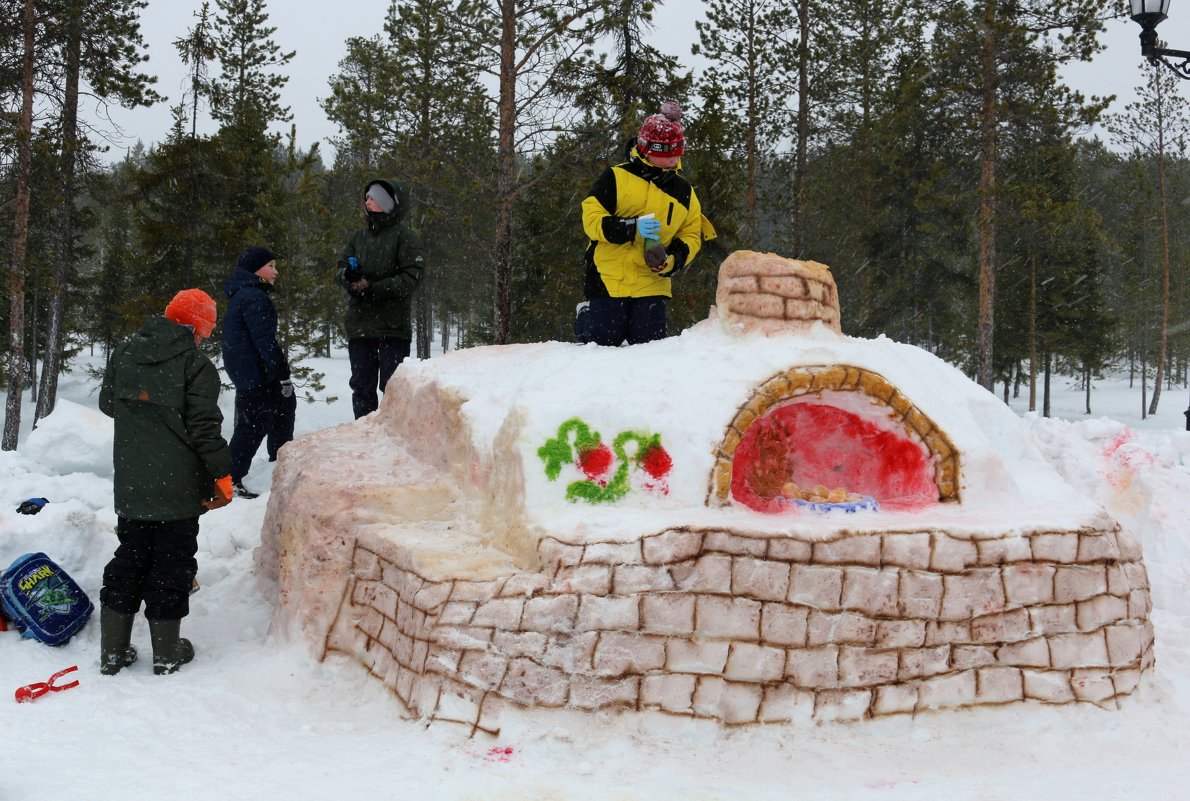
x,y
252,718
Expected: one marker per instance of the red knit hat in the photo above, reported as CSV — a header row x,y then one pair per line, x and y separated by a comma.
x,y
193,307
663,134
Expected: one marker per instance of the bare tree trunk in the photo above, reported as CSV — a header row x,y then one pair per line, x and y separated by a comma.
x,y
750,162
423,303
1163,340
1032,334
33,351
31,337
55,335
425,322
506,176
1144,385
20,241
987,200
1087,372
1045,403
803,125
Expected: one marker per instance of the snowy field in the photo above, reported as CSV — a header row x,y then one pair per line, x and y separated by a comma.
x,y
255,718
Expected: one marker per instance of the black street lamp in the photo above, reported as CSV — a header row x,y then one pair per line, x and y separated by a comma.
x,y
1148,14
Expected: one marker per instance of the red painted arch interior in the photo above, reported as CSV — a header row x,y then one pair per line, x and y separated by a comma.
x,y
813,443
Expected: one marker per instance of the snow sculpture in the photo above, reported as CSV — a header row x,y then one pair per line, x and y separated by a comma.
x,y
438,541
767,293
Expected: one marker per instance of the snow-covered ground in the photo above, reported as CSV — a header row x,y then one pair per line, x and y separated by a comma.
x,y
256,718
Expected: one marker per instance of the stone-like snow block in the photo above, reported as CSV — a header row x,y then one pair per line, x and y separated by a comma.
x,y
816,587
784,624
670,692
696,656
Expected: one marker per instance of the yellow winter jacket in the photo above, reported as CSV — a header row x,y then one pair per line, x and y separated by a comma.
x,y
616,257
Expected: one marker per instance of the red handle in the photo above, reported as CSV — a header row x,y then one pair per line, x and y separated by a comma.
x,y
59,675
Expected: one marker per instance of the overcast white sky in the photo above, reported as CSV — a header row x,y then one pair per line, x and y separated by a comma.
x,y
317,30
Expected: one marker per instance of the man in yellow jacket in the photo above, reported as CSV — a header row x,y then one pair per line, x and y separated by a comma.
x,y
645,226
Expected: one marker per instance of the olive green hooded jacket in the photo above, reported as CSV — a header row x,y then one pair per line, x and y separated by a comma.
x,y
169,447
390,255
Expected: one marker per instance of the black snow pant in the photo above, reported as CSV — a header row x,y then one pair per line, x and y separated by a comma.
x,y
154,563
262,412
635,320
373,362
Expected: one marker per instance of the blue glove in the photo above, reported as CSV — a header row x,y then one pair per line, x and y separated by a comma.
x,y
648,227
32,506
351,270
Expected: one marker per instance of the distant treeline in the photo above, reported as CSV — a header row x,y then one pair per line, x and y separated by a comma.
x,y
928,153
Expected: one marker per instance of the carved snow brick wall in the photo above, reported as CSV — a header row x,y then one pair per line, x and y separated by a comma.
x,y
755,629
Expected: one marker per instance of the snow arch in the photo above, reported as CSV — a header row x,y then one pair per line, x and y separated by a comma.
x,y
858,398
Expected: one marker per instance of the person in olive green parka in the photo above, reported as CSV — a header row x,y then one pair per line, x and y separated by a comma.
x,y
171,465
380,268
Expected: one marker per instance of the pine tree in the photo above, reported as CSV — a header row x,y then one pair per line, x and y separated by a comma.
x,y
109,285
97,42
745,42
1155,127
246,101
247,93
300,243
362,99
861,79
530,45
20,236
616,94
442,140
197,50
181,188
997,31
714,168
898,262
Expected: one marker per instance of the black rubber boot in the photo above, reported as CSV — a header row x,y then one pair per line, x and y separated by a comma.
x,y
243,492
170,651
115,633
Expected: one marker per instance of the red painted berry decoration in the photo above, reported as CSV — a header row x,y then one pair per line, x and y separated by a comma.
x,y
656,461
595,461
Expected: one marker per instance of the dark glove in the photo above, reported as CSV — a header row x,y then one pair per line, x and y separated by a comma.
x,y
351,270
32,506
287,388
655,257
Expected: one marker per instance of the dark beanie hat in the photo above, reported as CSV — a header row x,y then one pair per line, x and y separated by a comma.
x,y
253,258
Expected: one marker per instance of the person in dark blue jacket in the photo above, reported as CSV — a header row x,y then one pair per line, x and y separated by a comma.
x,y
256,364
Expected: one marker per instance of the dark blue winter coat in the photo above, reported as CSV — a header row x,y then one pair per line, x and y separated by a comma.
x,y
251,353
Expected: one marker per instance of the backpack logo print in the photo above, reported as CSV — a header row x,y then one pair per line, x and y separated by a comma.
x,y
48,594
